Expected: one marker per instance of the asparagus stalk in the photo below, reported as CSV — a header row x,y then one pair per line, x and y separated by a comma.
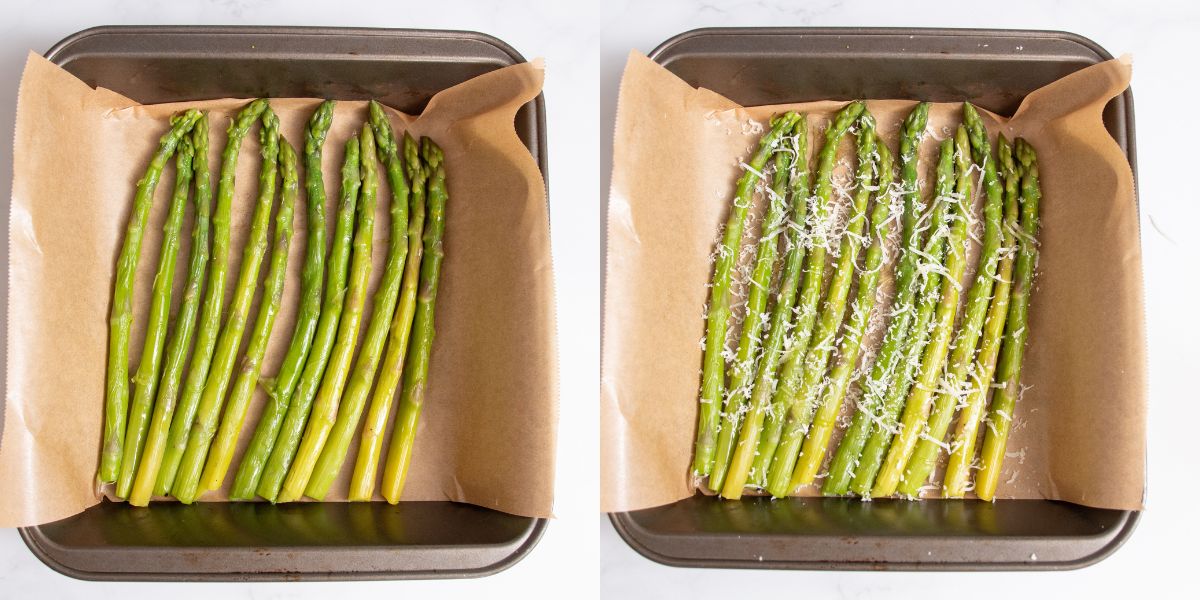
x,y
962,448
764,382
796,346
416,369
925,454
187,480
1012,354
928,298
812,453
712,387
280,388
214,296
120,318
247,378
841,468
359,385
362,482
145,381
916,408
801,406
742,370
325,407
331,313
185,324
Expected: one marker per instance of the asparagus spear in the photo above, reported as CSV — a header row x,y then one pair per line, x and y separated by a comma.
x,y
764,382
280,388
962,449
185,323
916,408
841,468
247,377
914,346
812,453
712,387
925,455
331,313
120,318
359,385
801,405
362,483
1012,354
810,292
742,370
416,369
145,381
214,296
325,407
187,480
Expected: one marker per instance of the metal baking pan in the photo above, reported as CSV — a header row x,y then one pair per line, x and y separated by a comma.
x,y
303,541
994,69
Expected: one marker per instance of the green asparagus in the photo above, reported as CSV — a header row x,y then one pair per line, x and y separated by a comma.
x,y
913,347
845,459
185,324
796,346
764,381
333,454
362,483
145,381
187,480
741,373
247,378
325,407
1012,354
962,448
120,319
331,312
925,455
712,390
416,369
916,408
812,453
214,296
280,388
801,405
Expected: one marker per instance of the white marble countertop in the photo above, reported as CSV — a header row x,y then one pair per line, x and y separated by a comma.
x,y
1159,35
569,41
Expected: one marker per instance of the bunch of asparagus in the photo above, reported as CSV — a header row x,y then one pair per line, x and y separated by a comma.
x,y
769,405
178,435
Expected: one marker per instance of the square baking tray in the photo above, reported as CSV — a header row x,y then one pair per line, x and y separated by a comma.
x,y
994,69
312,540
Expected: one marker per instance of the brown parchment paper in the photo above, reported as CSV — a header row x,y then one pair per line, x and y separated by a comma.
x,y
1079,430
487,433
